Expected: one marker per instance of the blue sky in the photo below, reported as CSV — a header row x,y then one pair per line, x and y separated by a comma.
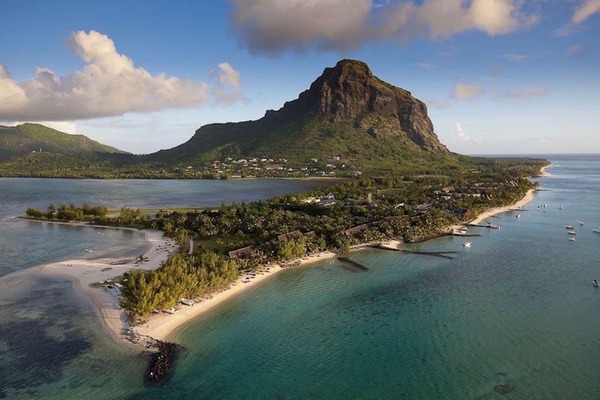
x,y
498,76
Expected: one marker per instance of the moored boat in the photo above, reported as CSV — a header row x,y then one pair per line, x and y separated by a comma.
x,y
467,244
595,283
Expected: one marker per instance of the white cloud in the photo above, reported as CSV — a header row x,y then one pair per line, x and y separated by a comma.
x,y
585,10
463,91
267,26
229,76
463,135
230,84
109,84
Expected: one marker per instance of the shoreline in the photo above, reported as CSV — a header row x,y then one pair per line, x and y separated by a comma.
x,y
83,273
166,327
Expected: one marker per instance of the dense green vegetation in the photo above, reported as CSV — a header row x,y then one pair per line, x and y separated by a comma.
x,y
35,138
69,212
238,237
181,276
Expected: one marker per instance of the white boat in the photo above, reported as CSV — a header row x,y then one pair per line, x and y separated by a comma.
x,y
88,250
467,244
580,222
569,227
595,283
518,215
572,233
572,239
597,230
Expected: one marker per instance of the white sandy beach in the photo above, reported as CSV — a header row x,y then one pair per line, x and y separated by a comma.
x,y
86,272
526,199
165,326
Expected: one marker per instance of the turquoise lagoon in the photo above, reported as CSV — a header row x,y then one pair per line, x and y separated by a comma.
x,y
515,316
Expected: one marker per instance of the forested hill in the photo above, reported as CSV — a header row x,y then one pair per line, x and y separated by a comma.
x,y
28,138
347,115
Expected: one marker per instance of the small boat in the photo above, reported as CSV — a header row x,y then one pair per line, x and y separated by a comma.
x,y
561,207
572,233
580,222
467,244
595,283
569,227
596,230
88,250
493,226
518,215
572,240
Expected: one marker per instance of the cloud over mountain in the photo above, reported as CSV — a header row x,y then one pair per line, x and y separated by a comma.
x,y
265,26
109,84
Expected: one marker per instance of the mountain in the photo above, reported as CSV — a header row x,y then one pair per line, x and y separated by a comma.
x,y
28,138
347,114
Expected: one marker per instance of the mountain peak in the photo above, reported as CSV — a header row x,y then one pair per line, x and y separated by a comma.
x,y
350,91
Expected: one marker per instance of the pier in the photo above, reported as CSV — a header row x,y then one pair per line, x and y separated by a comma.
x,y
441,254
491,226
353,263
380,246
466,234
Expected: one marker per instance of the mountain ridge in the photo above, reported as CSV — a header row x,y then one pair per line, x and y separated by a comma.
x,y
29,137
346,112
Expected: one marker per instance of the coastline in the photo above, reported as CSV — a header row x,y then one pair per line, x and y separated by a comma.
x,y
529,196
165,327
544,173
84,273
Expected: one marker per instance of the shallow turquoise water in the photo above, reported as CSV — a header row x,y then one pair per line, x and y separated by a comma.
x,y
514,316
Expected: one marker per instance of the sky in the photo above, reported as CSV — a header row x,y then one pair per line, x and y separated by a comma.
x,y
498,76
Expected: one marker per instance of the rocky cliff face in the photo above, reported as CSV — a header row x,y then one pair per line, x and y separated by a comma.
x,y
350,91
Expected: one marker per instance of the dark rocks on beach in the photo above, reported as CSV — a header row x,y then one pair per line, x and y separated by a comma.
x,y
161,363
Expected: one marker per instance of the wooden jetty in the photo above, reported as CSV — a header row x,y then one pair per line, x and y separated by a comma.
x,y
353,263
382,247
491,226
466,234
442,254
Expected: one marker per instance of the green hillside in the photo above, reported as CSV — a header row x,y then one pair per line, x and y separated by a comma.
x,y
27,138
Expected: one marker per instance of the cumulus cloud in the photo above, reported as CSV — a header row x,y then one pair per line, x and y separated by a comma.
x,y
585,10
109,84
229,88
267,26
464,91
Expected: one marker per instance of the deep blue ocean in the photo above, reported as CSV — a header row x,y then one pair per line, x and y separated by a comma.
x,y
513,317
